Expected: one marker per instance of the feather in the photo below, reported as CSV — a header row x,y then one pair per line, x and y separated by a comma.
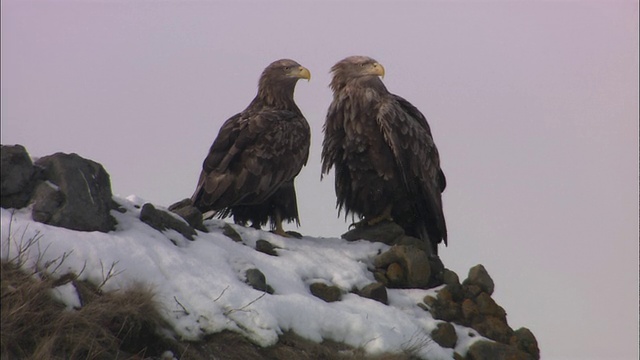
x,y
258,153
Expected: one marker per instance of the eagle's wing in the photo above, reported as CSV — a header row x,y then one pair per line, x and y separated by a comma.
x,y
252,156
334,137
408,135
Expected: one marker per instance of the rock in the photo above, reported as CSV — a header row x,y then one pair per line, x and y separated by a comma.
x,y
450,278
435,264
396,275
415,242
469,312
326,292
17,175
414,262
445,335
524,340
385,232
256,279
479,276
161,221
470,291
443,307
487,306
231,233
47,199
266,247
85,189
494,329
484,350
189,213
375,291
456,290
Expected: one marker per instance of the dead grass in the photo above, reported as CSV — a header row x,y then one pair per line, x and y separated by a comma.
x,y
124,325
113,325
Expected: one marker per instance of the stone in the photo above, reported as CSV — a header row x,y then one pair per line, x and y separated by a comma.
x,y
445,335
483,350
161,221
325,292
266,247
456,291
17,175
470,291
494,329
231,233
385,232
85,188
469,311
414,262
47,199
443,307
375,291
396,275
450,278
479,276
524,340
189,213
487,306
256,279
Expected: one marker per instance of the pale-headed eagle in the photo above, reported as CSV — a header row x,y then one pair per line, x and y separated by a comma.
x,y
386,164
251,166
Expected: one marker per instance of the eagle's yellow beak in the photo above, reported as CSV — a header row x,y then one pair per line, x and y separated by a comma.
x,y
378,69
304,73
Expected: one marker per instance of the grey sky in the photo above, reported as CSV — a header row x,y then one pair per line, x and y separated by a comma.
x,y
533,106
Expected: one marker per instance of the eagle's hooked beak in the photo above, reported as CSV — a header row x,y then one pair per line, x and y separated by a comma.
x,y
304,73
378,69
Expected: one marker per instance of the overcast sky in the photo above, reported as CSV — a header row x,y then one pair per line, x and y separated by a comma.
x,y
533,106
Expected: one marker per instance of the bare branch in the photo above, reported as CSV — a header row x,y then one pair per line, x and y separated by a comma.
x,y
184,310
245,306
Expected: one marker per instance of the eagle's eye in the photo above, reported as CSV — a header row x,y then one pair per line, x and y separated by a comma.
x,y
286,68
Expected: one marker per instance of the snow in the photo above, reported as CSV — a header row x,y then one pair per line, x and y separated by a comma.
x,y
200,284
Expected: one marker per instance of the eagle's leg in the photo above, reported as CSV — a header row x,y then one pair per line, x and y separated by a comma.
x,y
384,216
279,230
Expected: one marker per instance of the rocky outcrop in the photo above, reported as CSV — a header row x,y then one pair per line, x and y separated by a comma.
x,y
65,190
470,304
18,177
69,191
408,264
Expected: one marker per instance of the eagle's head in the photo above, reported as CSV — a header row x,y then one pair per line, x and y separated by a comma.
x,y
278,81
358,68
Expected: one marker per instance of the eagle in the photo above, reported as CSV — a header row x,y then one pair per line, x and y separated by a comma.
x,y
387,166
250,169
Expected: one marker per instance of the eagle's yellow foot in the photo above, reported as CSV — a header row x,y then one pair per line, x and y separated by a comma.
x,y
385,216
279,230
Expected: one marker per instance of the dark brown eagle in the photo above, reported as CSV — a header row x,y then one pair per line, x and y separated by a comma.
x,y
251,166
386,164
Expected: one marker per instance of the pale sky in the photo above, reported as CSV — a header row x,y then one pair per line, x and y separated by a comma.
x,y
533,106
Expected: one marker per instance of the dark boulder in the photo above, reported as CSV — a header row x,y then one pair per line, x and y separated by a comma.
x,y
161,221
445,335
328,293
483,350
189,213
375,291
17,175
76,194
479,277
256,279
407,266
